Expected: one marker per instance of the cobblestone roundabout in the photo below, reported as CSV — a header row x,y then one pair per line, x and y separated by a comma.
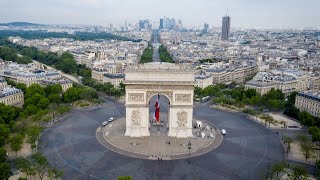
x,y
159,145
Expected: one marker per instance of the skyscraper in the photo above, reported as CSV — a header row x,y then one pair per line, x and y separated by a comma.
x,y
205,28
225,33
161,24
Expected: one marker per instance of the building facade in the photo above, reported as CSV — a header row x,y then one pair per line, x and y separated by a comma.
x,y
309,101
10,95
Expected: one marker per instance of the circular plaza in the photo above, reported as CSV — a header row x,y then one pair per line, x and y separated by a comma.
x,y
159,146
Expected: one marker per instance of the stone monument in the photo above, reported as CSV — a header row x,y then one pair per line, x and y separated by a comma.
x,y
176,82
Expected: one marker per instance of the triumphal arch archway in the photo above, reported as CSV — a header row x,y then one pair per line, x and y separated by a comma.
x,y
176,82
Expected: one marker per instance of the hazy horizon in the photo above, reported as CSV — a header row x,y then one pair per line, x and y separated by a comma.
x,y
193,13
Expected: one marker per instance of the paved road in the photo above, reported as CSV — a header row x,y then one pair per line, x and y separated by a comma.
x,y
156,56
245,153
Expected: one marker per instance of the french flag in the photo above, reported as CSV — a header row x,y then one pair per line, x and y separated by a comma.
x,y
156,115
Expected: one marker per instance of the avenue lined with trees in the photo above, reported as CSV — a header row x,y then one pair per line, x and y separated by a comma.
x,y
165,55
147,54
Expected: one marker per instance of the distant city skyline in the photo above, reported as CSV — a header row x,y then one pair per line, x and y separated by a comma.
x,y
193,13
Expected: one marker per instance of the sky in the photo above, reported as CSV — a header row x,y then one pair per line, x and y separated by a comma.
x,y
193,13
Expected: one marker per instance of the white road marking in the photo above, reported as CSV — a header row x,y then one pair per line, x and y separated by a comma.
x,y
106,133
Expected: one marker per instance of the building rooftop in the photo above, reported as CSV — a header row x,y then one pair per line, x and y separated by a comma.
x,y
7,91
260,84
310,95
114,76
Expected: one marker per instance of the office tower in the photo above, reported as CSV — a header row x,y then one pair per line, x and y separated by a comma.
x,y
161,23
144,25
225,33
180,23
168,24
172,23
206,28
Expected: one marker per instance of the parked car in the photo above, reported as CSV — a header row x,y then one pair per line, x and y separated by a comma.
x,y
104,123
223,132
110,119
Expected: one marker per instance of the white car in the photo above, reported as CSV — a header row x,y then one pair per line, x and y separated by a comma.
x,y
105,123
110,119
223,132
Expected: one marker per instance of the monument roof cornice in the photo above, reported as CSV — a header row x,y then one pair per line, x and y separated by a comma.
x,y
164,83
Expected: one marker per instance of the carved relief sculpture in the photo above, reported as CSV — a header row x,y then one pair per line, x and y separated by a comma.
x,y
135,117
152,93
136,97
182,119
183,97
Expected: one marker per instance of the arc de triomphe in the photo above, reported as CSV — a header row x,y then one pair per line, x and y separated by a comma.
x,y
176,82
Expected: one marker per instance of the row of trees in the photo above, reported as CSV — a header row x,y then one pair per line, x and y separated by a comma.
x,y
10,54
165,55
82,36
147,55
38,166
294,173
107,88
65,62
239,97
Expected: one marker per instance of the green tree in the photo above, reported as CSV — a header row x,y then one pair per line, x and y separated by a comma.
x,y
4,134
16,142
68,65
88,93
4,171
71,95
298,173
277,168
291,100
30,110
22,87
287,141
55,173
23,60
56,89
54,98
307,149
3,155
8,113
251,93
35,89
306,118
43,103
33,135
313,130
25,166
42,165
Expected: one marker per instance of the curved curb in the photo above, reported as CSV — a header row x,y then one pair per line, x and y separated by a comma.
x,y
217,140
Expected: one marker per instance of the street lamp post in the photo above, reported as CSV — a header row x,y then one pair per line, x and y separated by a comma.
x,y
189,148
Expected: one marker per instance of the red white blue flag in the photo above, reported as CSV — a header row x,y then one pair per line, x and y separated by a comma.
x,y
156,115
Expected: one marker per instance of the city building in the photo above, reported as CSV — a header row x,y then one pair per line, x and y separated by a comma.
x,y
203,81
225,32
10,95
114,79
228,75
205,28
309,101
